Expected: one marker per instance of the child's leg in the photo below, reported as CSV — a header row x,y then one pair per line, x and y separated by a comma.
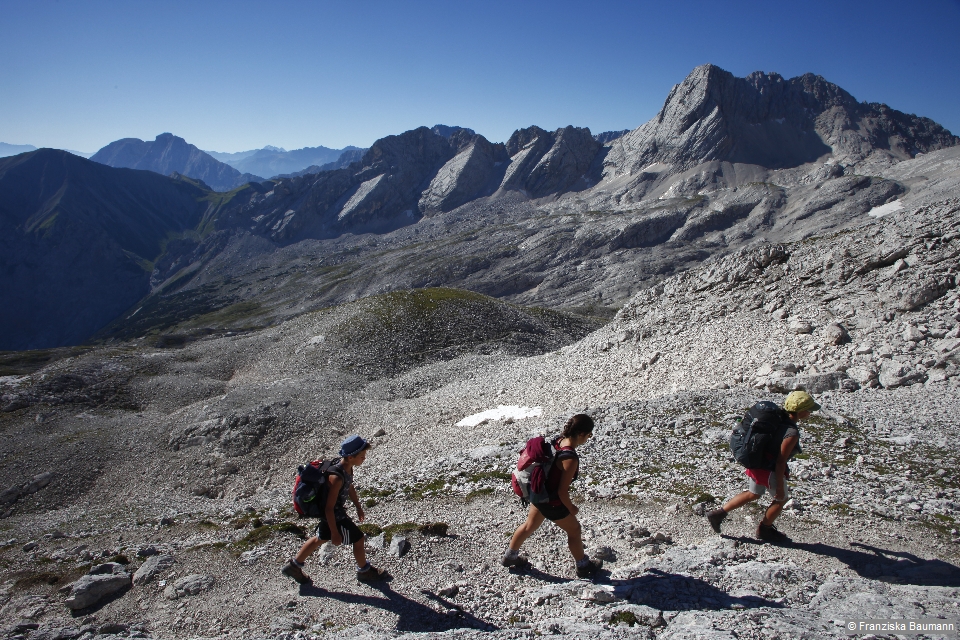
x,y
360,554
308,547
525,530
740,499
571,525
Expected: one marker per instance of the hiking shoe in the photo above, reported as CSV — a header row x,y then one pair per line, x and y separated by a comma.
x,y
372,575
290,569
715,517
770,533
516,561
588,568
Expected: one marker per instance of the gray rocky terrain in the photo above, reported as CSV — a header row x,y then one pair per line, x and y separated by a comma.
x,y
175,462
145,483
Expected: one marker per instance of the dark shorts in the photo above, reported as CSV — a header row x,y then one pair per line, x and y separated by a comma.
x,y
553,512
348,530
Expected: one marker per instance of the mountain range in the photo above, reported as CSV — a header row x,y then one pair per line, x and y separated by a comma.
x,y
560,218
273,161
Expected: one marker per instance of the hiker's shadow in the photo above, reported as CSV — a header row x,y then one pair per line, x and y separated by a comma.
x,y
411,615
675,592
543,576
898,567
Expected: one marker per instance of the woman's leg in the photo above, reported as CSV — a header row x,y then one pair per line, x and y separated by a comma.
x,y
524,531
571,525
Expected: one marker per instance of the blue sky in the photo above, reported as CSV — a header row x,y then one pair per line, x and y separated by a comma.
x,y
230,76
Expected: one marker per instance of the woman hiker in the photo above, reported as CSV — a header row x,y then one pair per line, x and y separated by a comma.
x,y
560,509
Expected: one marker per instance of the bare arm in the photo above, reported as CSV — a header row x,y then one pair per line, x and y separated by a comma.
x,y
335,482
786,448
356,502
569,466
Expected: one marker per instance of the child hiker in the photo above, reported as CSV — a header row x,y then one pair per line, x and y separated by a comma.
x,y
797,407
335,525
559,508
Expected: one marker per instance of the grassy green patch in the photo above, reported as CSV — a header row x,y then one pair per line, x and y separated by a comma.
x,y
623,617
207,524
262,534
21,363
478,493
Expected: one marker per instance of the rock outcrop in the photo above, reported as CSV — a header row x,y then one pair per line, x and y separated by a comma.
x,y
767,120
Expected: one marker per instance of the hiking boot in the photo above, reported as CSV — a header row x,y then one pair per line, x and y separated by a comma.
x,y
290,569
715,517
514,561
588,568
372,574
769,533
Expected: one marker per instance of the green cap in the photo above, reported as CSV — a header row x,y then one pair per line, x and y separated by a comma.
x,y
799,401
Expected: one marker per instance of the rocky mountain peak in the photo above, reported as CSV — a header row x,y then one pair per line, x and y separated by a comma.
x,y
766,120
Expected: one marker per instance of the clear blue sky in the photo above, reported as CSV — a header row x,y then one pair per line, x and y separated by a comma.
x,y
229,76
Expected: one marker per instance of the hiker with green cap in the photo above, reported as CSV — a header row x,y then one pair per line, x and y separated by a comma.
x,y
776,430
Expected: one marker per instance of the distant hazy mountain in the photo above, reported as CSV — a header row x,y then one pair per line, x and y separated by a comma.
x,y
14,149
345,160
274,161
78,240
168,154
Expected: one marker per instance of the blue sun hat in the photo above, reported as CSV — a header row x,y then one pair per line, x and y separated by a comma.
x,y
352,446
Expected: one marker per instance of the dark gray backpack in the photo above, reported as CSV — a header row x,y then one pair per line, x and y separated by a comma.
x,y
755,441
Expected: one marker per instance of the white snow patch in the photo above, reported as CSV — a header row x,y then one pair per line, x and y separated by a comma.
x,y
885,209
502,412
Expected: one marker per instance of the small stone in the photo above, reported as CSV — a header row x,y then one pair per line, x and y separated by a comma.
x,y
912,334
836,334
607,554
380,433
399,546
800,327
30,546
449,591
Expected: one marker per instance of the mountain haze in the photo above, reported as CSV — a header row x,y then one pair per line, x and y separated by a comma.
x,y
274,161
168,154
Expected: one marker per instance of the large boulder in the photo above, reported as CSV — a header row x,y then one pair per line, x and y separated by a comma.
x,y
895,374
152,567
103,581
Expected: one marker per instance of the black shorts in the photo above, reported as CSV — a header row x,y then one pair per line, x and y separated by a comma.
x,y
348,530
553,512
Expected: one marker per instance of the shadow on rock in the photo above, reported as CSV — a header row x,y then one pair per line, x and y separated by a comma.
x,y
897,567
411,615
674,592
537,574
86,611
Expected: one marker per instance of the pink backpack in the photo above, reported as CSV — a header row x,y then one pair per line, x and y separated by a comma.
x,y
529,479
